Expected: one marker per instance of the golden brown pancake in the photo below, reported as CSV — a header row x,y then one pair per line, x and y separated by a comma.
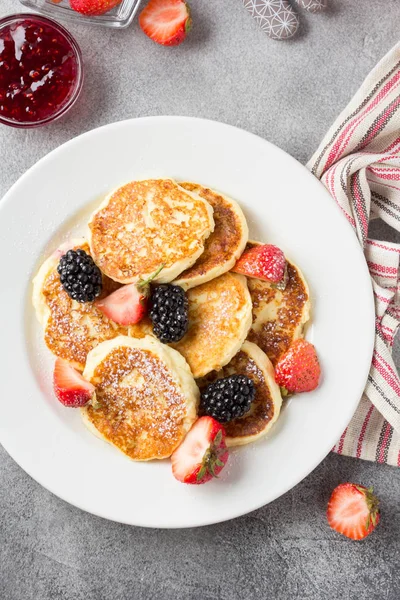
x,y
72,329
219,320
278,316
265,408
224,246
145,224
146,397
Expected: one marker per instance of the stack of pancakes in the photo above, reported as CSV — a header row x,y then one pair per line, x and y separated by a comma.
x,y
147,393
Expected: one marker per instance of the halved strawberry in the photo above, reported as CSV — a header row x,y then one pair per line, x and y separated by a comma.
x,y
202,454
298,370
264,262
70,387
353,510
125,306
93,7
128,304
166,21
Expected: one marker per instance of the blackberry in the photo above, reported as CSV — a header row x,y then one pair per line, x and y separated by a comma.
x,y
228,398
169,312
79,276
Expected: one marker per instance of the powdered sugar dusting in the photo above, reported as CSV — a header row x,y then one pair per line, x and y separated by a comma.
x,y
141,408
74,328
218,313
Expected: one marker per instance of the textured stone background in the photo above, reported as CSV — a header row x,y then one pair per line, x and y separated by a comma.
x,y
288,92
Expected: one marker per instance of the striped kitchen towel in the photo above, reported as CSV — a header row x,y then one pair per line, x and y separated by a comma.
x,y
359,163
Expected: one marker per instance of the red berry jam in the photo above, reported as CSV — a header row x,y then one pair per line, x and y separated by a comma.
x,y
40,70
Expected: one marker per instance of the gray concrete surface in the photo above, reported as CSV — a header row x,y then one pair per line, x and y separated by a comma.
x,y
288,92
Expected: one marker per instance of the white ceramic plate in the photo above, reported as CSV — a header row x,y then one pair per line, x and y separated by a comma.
x,y
285,205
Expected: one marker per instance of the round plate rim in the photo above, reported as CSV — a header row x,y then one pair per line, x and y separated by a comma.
x,y
368,342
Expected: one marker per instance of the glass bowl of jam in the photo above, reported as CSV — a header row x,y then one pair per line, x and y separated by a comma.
x,y
41,71
120,16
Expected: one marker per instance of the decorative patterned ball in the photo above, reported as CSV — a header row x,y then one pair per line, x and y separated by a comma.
x,y
277,17
313,6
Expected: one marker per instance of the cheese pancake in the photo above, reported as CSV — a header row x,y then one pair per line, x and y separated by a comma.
x,y
224,246
219,320
265,408
146,397
145,224
279,316
72,329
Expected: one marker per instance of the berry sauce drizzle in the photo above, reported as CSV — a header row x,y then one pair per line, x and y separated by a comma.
x,y
38,71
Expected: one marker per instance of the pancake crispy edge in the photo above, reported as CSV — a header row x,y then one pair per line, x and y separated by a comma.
x,y
154,435
148,255
220,316
266,406
224,246
70,328
42,309
279,316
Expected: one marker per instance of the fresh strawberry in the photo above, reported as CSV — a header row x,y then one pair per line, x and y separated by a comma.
x,y
128,304
298,370
70,387
264,262
93,7
202,454
125,306
166,21
353,510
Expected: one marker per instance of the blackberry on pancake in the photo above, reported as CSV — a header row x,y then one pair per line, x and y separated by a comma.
x,y
169,313
71,328
228,398
250,362
79,276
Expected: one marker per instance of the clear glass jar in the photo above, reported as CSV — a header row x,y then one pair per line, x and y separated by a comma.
x,y
121,16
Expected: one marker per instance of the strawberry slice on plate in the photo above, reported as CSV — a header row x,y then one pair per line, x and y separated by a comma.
x,y
93,7
298,370
166,21
353,510
203,453
128,304
265,261
70,388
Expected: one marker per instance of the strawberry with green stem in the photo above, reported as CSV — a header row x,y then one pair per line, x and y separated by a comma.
x,y
128,304
265,262
298,370
353,510
203,453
